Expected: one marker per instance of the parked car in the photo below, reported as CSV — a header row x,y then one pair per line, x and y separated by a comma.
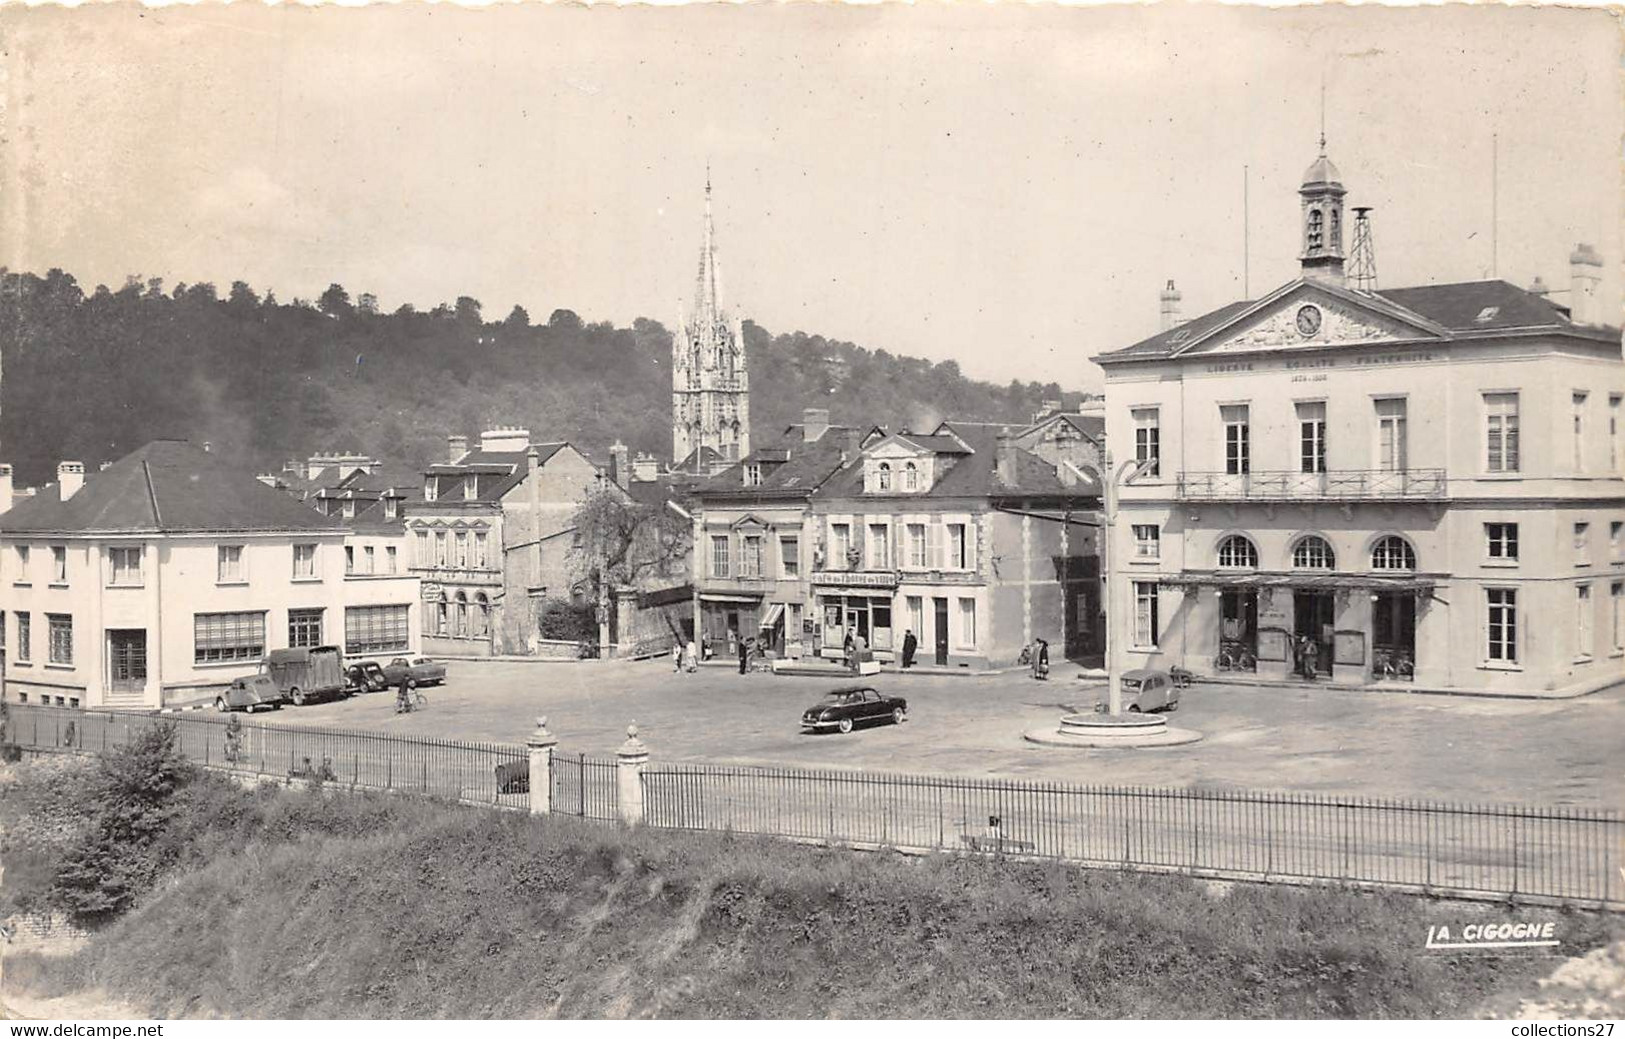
x,y
366,677
307,674
849,705
1146,690
419,671
248,693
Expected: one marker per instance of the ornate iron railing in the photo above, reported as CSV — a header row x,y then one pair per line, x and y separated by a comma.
x,y
1333,485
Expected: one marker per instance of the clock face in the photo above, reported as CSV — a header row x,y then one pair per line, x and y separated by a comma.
x,y
1308,320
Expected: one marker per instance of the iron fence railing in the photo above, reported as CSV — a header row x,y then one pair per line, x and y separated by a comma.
x,y
585,785
473,772
1556,853
1336,484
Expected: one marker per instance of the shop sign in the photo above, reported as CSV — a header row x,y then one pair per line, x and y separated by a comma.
x,y
431,590
859,579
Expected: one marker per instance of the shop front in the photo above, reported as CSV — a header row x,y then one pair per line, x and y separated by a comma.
x,y
725,618
858,604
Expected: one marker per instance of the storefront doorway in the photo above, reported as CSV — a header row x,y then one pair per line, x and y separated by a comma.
x,y
939,607
1314,615
1393,636
1238,631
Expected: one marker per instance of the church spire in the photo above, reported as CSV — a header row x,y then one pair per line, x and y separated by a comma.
x,y
708,283
710,384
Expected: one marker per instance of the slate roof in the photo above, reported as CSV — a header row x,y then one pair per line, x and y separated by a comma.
x,y
167,487
496,472
1455,307
972,475
808,466
1093,424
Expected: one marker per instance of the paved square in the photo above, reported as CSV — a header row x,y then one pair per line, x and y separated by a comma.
x,y
1394,745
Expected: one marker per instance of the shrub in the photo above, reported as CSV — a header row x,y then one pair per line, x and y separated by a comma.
x,y
565,621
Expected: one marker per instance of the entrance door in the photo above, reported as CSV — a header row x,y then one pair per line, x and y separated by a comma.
x,y
127,661
1313,614
1238,631
857,622
940,608
1393,636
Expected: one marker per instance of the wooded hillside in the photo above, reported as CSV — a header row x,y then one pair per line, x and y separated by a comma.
x,y
92,375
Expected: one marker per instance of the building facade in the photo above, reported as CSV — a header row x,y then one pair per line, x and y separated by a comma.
x,y
710,380
1417,486
166,575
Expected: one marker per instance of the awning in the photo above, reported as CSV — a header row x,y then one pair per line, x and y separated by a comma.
x,y
771,618
1307,582
724,597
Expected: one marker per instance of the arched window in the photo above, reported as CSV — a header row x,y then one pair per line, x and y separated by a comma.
x,y
460,617
1313,553
482,615
1393,553
1316,235
1337,228
1236,552
441,614
883,476
911,476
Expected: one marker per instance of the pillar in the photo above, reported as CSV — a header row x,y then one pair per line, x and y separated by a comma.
x,y
630,759
541,744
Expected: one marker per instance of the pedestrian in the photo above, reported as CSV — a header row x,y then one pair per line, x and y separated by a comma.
x,y
910,644
691,657
403,696
849,649
1311,656
1041,661
676,656
744,655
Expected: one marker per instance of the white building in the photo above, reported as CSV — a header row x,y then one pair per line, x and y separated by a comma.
x,y
1424,483
167,574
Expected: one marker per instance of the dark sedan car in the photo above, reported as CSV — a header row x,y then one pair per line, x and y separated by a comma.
x,y
366,677
851,705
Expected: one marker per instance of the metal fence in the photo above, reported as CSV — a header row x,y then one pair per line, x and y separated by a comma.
x,y
1569,854
586,786
480,773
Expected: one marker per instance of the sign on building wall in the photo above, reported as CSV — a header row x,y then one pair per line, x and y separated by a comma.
x,y
840,579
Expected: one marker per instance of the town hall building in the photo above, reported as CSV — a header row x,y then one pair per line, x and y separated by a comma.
x,y
1418,486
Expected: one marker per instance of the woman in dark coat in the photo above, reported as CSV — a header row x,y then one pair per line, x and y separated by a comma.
x,y
910,644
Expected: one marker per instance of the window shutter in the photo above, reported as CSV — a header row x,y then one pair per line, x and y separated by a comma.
x,y
897,557
935,533
973,524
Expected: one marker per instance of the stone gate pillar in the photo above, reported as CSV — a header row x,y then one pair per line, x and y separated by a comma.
x,y
630,759
541,744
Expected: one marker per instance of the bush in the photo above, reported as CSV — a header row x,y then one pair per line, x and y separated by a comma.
x,y
565,621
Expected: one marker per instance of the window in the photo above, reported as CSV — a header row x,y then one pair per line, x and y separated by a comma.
x,y
1312,437
304,628
1502,541
439,548
349,559
916,616
1147,541
840,541
349,508
1502,628
967,623
879,546
916,545
1145,614
883,476
1616,541
471,487
1313,553
719,555
790,556
1392,449
1578,410
1237,450
1613,431
59,564
1582,544
430,489
422,555
228,567
22,564
1147,435
375,629
391,563
750,559
911,476
368,559
481,556
124,565
1315,233
753,475
1236,552
1393,553
304,562
958,549
1616,594
25,636
219,637
1501,432
1584,642
61,636
460,546
392,508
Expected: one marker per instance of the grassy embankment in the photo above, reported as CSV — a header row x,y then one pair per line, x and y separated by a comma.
x,y
275,903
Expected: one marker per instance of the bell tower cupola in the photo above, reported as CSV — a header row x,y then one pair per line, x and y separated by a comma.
x,y
1322,194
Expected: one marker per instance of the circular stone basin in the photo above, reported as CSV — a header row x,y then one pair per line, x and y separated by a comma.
x,y
1112,725
1106,730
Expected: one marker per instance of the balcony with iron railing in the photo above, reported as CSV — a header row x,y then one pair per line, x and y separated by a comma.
x,y
1345,485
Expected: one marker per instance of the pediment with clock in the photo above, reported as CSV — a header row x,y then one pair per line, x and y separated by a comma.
x,y
1313,315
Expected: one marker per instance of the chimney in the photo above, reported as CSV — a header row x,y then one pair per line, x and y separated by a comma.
x,y
207,446
814,421
1170,306
70,476
619,469
1004,459
5,488
505,438
1539,287
644,468
456,448
1585,274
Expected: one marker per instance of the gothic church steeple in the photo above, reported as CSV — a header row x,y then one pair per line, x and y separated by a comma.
x,y
710,384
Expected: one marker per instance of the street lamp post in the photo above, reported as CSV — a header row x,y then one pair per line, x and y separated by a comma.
x,y
1114,625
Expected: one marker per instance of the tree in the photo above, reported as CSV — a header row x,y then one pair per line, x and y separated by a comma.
x,y
565,320
367,304
335,302
468,310
242,296
517,318
622,543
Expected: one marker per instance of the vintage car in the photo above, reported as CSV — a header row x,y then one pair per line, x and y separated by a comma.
x,y
249,693
851,705
418,671
366,677
307,674
1146,690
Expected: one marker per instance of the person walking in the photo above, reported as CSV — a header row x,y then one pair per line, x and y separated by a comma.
x,y
744,655
910,645
403,696
676,656
849,648
1311,657
1041,661
691,657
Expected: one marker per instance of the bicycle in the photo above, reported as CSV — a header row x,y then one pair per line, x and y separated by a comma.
x,y
1235,658
413,700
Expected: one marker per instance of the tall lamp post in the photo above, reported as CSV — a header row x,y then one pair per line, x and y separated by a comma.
x,y
1114,626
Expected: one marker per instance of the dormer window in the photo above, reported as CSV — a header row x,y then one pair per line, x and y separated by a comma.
x,y
911,476
1487,314
471,487
429,489
349,508
883,476
392,508
753,475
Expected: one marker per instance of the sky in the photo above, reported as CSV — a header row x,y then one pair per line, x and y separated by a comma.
x,y
1005,186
